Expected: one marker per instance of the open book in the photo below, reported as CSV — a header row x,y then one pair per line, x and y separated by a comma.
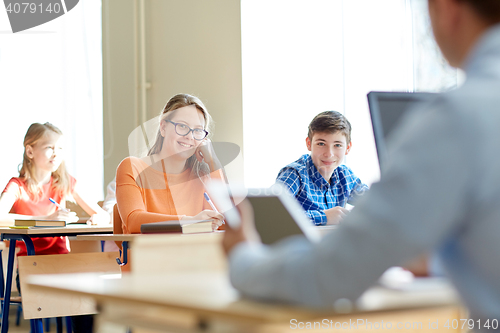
x,y
187,227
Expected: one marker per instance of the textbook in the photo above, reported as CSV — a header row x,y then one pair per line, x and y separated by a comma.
x,y
39,223
188,227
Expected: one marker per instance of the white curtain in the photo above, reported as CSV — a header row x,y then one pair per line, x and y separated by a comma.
x,y
53,73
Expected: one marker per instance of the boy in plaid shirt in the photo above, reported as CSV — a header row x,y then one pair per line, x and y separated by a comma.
x,y
319,180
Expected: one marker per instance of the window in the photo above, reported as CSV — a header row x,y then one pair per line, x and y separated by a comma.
x,y
303,57
53,73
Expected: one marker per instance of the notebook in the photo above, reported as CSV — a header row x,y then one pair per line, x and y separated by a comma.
x,y
187,227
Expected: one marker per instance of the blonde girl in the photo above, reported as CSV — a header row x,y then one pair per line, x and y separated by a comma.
x,y
43,176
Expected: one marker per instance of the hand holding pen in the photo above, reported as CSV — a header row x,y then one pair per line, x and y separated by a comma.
x,y
62,213
59,206
212,205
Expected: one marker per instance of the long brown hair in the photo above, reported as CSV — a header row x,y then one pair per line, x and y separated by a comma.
x,y
176,102
60,178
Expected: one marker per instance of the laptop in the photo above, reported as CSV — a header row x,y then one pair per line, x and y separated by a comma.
x,y
386,111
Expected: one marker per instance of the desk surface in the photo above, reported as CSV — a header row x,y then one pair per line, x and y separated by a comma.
x,y
210,294
132,237
108,237
169,237
69,229
206,294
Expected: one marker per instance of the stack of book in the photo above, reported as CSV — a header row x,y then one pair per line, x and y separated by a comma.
x,y
39,223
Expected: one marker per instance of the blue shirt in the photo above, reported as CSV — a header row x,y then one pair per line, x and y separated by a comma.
x,y
314,193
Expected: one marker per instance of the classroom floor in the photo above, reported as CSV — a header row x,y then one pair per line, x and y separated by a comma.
x,y
24,325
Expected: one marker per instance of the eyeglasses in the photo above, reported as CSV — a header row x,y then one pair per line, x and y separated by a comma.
x,y
183,130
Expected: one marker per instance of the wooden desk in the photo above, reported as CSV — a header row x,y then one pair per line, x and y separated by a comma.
x,y
125,239
174,238
25,235
192,302
159,253
109,237
69,230
134,237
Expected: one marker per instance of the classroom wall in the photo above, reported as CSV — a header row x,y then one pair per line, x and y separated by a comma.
x,y
190,46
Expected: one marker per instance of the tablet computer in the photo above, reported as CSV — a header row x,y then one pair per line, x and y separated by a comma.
x,y
278,215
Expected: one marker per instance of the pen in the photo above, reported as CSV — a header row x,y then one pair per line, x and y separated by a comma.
x,y
59,206
211,204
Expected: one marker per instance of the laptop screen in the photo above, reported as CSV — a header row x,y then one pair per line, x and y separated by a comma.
x,y
386,110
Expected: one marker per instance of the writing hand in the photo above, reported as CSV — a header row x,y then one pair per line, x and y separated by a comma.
x,y
99,219
63,216
335,215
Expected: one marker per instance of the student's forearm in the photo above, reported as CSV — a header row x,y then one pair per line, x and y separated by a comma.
x,y
7,220
293,188
89,208
317,217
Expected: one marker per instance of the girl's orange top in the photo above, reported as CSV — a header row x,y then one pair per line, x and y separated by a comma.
x,y
145,194
25,205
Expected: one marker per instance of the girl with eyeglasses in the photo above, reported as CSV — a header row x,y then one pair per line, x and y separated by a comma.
x,y
169,183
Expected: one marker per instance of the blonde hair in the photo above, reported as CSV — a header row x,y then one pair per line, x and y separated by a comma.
x,y
60,178
176,102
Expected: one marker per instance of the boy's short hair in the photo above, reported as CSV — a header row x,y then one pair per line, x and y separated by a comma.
x,y
489,10
330,122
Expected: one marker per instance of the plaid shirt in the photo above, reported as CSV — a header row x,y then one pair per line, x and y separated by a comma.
x,y
314,193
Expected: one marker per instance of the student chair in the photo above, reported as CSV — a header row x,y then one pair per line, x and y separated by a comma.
x,y
17,300
123,246
42,304
117,224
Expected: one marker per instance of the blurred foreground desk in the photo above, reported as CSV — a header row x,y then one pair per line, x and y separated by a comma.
x,y
194,302
171,252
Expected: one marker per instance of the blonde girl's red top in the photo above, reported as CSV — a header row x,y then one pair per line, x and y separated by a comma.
x,y
25,205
